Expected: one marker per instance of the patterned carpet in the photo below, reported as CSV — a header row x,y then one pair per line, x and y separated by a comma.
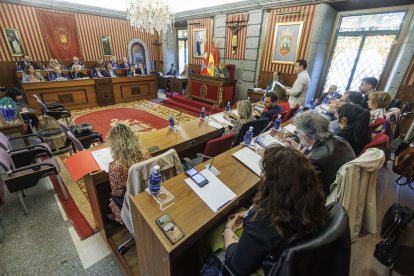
x,y
141,116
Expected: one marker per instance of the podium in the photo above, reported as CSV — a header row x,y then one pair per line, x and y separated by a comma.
x,y
211,90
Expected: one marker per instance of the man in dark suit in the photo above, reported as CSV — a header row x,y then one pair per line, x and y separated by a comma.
x,y
26,62
367,86
198,46
125,63
57,74
75,61
173,71
272,85
140,71
109,72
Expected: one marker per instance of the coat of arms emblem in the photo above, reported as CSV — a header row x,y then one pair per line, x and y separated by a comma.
x,y
63,38
284,46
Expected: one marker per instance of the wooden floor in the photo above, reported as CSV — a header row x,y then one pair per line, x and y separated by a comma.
x,y
363,262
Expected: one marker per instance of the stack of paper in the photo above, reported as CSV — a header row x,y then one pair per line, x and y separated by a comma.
x,y
268,140
250,159
220,119
215,194
103,157
291,128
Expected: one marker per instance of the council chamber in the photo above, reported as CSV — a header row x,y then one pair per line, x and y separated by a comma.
x,y
207,138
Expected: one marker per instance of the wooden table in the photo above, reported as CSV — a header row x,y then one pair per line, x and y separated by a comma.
x,y
11,129
84,93
178,84
156,255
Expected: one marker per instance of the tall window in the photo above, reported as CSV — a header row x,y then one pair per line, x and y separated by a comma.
x,y
362,48
182,40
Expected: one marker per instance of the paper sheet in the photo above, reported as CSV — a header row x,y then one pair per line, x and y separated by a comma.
x,y
259,108
281,85
103,157
267,140
250,159
214,124
220,119
291,128
215,194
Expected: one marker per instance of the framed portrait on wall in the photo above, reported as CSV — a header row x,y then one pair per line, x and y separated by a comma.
x,y
106,45
14,42
199,38
286,42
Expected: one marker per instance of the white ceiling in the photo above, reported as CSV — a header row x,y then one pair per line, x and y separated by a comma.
x,y
176,5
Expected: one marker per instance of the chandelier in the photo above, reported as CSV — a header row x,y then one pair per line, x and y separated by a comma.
x,y
150,15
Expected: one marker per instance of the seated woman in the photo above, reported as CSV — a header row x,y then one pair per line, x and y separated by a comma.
x,y
126,151
221,71
282,99
30,75
11,97
52,64
76,73
287,205
354,126
378,102
245,111
326,152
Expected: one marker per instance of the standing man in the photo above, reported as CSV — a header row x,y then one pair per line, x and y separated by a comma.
x,y
297,94
367,86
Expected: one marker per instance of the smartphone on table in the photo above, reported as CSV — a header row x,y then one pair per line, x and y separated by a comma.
x,y
197,177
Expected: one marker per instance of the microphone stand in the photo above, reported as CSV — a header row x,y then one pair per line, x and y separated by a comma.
x,y
268,125
208,116
178,121
209,166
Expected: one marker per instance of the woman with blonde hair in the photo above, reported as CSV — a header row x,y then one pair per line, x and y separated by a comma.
x,y
245,111
378,102
126,150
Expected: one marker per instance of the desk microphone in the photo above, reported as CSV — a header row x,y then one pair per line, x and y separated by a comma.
x,y
210,165
179,117
268,125
208,117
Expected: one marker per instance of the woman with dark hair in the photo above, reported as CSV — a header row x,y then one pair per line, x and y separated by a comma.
x,y
11,97
286,206
354,126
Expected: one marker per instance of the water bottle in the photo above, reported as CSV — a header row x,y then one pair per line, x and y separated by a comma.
x,y
4,113
155,180
247,139
267,89
171,121
228,107
76,76
18,68
278,121
203,113
9,114
43,67
262,99
313,105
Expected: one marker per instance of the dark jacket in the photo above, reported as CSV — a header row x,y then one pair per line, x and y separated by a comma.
x,y
270,84
271,112
172,72
256,243
23,65
327,157
123,65
335,95
77,76
54,75
357,144
106,73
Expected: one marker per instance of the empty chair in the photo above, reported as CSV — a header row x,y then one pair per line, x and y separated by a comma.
x,y
380,141
258,126
213,148
86,141
21,178
76,145
327,253
355,188
51,105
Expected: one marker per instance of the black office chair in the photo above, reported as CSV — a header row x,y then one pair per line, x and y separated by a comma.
x,y
328,253
258,126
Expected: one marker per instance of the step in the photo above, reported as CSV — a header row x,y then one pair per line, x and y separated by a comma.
x,y
194,103
189,107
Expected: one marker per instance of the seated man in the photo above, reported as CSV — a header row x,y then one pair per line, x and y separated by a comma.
x,y
221,71
326,152
97,72
271,108
27,61
173,71
326,97
125,63
187,71
75,61
57,74
109,72
140,71
76,73
114,63
272,85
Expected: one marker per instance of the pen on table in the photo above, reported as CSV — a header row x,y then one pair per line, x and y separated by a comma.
x,y
223,205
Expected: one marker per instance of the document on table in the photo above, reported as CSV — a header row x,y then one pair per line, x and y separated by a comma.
x,y
267,140
215,194
103,157
281,85
214,124
259,108
219,118
291,128
250,159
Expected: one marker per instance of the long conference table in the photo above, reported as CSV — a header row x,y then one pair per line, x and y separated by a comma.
x,y
85,93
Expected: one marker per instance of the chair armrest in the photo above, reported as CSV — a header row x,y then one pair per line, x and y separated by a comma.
x,y
31,147
34,167
188,163
58,112
28,135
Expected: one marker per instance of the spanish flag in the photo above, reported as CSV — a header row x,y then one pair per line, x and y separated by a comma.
x,y
210,67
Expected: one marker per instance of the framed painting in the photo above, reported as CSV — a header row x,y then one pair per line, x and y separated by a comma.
x,y
286,42
199,38
106,45
14,42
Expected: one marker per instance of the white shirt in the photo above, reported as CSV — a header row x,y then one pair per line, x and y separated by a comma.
x,y
297,94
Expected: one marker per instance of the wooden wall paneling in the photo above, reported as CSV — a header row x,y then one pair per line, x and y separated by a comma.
x,y
409,75
265,77
405,93
135,88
